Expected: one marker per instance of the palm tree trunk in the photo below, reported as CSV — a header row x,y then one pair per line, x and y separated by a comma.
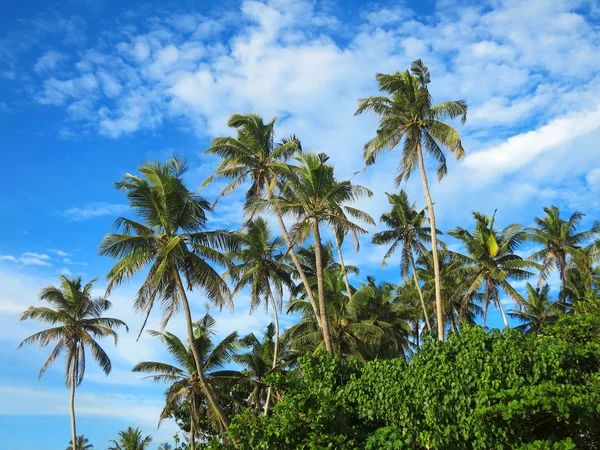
x,y
436,263
290,246
414,272
210,395
506,325
339,249
321,288
72,407
192,435
276,347
417,332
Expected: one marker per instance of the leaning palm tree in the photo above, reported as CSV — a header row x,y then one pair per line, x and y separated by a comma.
x,y
131,439
536,310
407,230
183,379
255,156
81,443
560,240
76,319
172,240
492,261
261,267
407,114
314,198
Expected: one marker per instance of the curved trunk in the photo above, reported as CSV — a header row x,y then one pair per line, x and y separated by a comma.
x,y
72,407
436,263
414,271
506,325
321,288
276,347
206,388
290,246
339,249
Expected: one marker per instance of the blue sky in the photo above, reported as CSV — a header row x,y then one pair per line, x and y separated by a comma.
x,y
89,90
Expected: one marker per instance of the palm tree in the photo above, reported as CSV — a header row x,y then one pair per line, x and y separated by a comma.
x,y
165,446
81,443
257,362
407,230
262,269
184,383
131,439
174,242
255,156
76,319
312,196
536,310
560,241
407,114
351,329
492,260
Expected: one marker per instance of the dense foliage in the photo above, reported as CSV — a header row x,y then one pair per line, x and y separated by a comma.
x,y
478,390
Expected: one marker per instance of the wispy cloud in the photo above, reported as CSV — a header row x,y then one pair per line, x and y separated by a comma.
x,y
28,259
57,252
94,210
49,61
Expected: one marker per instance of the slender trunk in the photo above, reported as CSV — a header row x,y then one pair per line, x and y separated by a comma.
x,y
417,332
506,325
434,252
276,347
290,246
73,426
339,249
192,435
563,276
414,271
206,388
321,288
452,323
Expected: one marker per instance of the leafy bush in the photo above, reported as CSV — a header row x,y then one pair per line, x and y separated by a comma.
x,y
477,390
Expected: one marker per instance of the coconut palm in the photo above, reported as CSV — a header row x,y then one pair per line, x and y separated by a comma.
x,y
165,446
492,261
76,319
254,156
460,305
405,229
131,439
536,310
261,267
350,329
313,197
407,115
183,380
173,241
560,240
257,362
81,443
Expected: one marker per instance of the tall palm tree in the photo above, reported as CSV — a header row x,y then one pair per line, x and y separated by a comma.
x,y
183,380
407,114
261,267
492,260
173,241
313,197
536,310
255,156
560,240
407,230
81,443
131,439
76,319
165,446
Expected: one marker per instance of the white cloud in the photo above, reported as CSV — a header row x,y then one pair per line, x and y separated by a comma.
x,y
58,252
28,259
94,210
65,271
49,61
593,178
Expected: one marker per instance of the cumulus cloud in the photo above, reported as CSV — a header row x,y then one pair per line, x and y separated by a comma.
x,y
49,61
